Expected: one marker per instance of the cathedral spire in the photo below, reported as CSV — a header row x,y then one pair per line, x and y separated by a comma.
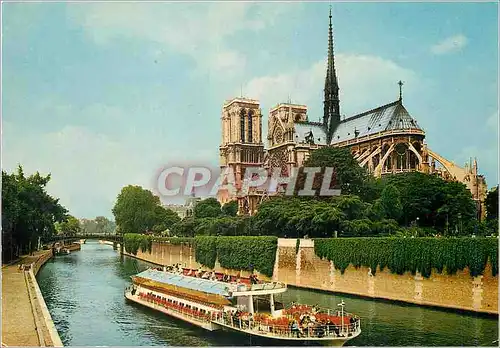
x,y
400,83
331,108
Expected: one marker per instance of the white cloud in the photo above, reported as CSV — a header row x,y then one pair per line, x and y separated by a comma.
x,y
89,168
365,82
492,122
197,30
450,45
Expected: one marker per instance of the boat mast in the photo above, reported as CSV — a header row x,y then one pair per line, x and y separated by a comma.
x,y
342,304
271,303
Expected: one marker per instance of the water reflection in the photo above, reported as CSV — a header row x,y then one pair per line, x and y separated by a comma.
x,y
84,293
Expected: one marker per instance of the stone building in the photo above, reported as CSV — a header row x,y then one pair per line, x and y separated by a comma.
x,y
385,140
241,144
186,209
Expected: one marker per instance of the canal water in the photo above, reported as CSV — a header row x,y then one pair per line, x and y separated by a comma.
x,y
84,294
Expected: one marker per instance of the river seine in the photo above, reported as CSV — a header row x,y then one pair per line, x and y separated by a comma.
x,y
84,294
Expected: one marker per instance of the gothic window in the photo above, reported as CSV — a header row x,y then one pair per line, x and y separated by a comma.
x,y
250,125
401,151
279,159
242,125
278,136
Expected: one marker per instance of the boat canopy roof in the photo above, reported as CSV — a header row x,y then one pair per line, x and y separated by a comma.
x,y
198,284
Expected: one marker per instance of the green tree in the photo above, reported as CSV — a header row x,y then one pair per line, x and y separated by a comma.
x,y
429,201
492,204
184,228
356,228
207,208
348,175
390,202
28,212
165,219
102,224
70,227
352,206
135,210
457,210
420,194
89,226
230,208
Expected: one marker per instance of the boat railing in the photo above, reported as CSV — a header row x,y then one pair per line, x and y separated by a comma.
x,y
267,286
313,331
184,311
314,310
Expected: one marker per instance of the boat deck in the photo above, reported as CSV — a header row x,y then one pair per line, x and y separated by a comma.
x,y
201,321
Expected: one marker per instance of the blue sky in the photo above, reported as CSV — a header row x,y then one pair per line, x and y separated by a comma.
x,y
103,95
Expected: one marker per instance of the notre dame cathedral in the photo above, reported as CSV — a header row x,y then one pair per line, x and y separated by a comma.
x,y
384,140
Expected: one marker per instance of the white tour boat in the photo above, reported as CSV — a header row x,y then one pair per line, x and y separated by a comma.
x,y
224,302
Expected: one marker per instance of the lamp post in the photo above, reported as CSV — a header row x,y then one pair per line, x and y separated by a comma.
x,y
342,304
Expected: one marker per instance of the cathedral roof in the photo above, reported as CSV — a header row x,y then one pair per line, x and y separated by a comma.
x,y
303,129
387,117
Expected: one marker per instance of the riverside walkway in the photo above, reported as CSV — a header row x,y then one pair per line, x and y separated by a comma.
x,y
23,322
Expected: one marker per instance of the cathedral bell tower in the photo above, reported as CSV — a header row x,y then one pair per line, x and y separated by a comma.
x,y
241,145
331,104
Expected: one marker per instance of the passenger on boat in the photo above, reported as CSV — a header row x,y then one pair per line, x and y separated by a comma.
x,y
226,277
198,273
253,279
295,328
190,273
206,275
213,276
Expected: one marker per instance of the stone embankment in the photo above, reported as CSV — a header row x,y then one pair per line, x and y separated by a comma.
x,y
301,267
26,320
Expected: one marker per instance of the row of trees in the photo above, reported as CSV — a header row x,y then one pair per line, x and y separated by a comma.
x,y
413,204
72,226
137,210
99,225
29,213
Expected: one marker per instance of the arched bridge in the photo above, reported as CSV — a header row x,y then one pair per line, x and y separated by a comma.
x,y
118,238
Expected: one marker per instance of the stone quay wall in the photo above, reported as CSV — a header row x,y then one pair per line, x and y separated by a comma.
x,y
46,317
302,268
26,320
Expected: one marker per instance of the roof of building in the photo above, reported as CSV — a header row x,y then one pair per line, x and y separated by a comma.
x,y
303,129
198,284
392,116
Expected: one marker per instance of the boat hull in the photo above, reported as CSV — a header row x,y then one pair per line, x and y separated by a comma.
x,y
292,341
210,326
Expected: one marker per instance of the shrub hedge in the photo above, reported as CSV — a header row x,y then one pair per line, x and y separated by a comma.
x,y
237,252
400,255
133,241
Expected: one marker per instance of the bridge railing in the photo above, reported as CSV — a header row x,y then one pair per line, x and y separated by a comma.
x,y
117,238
